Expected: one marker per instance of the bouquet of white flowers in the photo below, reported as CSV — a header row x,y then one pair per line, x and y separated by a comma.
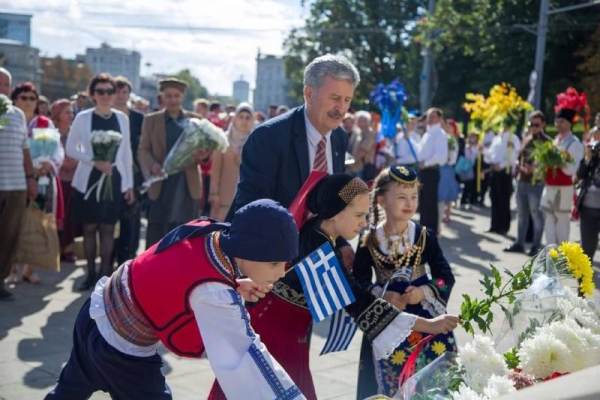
x,y
43,143
105,145
197,134
4,103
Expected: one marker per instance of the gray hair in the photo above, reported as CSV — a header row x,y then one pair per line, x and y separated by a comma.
x,y
4,71
338,67
363,114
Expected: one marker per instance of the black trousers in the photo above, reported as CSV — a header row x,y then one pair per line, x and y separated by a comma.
x,y
589,226
500,191
94,365
428,197
130,224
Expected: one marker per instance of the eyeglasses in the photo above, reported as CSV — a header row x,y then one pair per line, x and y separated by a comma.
x,y
102,92
27,98
534,124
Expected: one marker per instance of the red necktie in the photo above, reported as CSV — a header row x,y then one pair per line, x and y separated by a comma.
x,y
320,163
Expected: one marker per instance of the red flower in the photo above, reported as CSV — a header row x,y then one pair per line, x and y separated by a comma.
x,y
555,375
440,282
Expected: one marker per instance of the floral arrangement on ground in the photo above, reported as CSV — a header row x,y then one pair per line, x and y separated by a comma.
x,y
551,328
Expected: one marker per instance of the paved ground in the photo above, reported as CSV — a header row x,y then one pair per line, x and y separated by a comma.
x,y
35,330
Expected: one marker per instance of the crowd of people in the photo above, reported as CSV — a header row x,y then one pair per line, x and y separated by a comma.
x,y
369,186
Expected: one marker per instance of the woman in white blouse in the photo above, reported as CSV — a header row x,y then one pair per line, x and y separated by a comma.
x,y
96,214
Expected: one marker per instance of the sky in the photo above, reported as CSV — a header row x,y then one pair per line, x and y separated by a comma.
x,y
218,40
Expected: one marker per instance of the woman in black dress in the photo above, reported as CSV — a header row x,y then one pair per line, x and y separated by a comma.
x,y
99,215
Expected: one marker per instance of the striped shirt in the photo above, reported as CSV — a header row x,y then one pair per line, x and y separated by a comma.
x,y
13,139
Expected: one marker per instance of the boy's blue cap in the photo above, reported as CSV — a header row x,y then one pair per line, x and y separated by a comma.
x,y
261,231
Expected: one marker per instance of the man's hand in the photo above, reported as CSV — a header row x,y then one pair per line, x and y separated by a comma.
x,y
202,154
396,299
129,196
156,170
103,166
442,324
414,295
421,165
252,292
32,188
347,257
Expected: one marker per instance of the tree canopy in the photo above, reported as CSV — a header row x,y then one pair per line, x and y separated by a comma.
x,y
476,43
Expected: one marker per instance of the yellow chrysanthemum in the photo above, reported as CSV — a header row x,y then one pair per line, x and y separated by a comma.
x,y
438,348
587,287
580,265
553,253
399,357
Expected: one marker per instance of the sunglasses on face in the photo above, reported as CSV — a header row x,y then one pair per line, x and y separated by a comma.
x,y
534,125
102,92
27,98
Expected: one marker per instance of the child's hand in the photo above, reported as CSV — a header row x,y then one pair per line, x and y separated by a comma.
x,y
442,324
396,299
252,292
414,295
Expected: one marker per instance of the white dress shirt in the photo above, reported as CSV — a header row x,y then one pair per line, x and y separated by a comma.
x,y
403,154
433,147
574,147
414,136
313,138
499,154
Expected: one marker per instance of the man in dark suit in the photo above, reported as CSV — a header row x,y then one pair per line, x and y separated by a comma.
x,y
126,245
279,154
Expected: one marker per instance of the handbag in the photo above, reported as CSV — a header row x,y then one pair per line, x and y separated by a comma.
x,y
38,243
464,169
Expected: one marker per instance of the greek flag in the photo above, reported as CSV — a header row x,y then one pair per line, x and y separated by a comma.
x,y
341,332
324,284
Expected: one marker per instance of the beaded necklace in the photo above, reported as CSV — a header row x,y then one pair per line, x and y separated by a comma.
x,y
400,261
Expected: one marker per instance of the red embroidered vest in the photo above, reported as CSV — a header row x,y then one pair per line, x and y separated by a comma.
x,y
160,286
558,178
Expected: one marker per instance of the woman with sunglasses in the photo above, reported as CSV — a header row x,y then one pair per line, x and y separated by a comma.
x,y
25,97
96,214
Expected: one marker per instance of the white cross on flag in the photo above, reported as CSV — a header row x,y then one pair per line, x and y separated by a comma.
x,y
325,286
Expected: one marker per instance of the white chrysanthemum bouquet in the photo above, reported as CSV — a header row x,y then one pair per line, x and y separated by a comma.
x,y
104,145
197,134
548,331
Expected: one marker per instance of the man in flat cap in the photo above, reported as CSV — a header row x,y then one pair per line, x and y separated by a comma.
x,y
173,201
557,198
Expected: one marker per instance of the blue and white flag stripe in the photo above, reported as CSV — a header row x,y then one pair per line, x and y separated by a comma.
x,y
324,284
341,333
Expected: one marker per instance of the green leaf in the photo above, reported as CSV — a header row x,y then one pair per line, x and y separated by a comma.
x,y
512,359
497,277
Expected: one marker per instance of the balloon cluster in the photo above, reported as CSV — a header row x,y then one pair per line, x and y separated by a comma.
x,y
390,100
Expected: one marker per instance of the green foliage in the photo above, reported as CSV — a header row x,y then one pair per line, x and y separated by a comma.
x,y
497,292
376,35
194,90
548,156
512,359
487,39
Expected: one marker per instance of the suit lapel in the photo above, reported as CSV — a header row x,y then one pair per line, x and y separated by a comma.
x,y
301,143
160,130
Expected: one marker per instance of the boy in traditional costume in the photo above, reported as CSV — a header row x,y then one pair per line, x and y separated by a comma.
x,y
184,292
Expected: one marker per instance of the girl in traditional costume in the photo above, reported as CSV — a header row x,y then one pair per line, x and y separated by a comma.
x,y
339,204
398,251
